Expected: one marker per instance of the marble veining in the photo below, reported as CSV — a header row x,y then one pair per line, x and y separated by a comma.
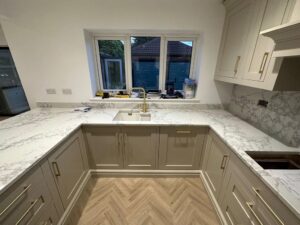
x,y
281,118
27,138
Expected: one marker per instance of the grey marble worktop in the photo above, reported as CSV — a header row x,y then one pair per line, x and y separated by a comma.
x,y
26,139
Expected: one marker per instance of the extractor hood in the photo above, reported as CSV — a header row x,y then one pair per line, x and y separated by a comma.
x,y
286,38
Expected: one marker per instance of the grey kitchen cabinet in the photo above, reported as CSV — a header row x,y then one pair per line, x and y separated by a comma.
x,y
130,147
69,166
140,147
241,16
246,200
215,162
104,147
181,147
27,201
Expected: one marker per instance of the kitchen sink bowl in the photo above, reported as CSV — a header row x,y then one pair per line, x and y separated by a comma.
x,y
276,160
132,115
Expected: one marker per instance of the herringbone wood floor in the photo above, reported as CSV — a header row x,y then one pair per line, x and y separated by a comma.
x,y
145,201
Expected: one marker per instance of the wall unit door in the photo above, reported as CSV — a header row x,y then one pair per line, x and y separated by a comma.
x,y
104,146
260,48
140,147
238,22
69,166
216,158
181,147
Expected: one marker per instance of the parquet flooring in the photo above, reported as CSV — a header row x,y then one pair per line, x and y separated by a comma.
x,y
149,201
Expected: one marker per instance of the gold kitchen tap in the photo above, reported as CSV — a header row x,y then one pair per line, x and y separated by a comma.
x,y
144,105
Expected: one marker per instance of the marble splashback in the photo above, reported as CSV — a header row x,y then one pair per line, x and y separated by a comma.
x,y
280,119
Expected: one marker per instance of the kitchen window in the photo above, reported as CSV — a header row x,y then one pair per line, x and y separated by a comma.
x,y
145,57
149,61
111,61
178,61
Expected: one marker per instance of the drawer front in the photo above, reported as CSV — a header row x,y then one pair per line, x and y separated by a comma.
x,y
25,200
236,200
266,208
48,216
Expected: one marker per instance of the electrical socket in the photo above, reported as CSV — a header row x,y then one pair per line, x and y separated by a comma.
x,y
262,103
51,91
67,91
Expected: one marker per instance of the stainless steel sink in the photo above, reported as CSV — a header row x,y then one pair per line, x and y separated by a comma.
x,y
132,115
276,160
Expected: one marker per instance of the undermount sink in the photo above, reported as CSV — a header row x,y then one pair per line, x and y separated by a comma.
x,y
276,160
132,115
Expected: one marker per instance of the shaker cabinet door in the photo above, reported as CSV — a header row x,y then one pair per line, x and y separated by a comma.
x,y
215,163
104,147
69,166
181,147
260,48
237,25
140,147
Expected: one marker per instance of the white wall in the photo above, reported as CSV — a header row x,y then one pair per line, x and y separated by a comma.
x,y
2,38
47,40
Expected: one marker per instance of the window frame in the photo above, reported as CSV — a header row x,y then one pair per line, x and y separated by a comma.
x,y
164,38
98,63
165,52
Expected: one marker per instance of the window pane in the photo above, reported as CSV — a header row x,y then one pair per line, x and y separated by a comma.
x,y
145,52
112,64
179,55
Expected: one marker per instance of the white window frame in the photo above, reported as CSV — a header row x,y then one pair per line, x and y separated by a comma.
x,y
97,53
164,38
165,52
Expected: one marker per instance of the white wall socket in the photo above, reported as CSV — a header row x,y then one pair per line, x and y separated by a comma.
x,y
67,91
51,91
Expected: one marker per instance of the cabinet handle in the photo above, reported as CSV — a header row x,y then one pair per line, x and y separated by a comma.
x,y
223,163
26,188
256,191
55,169
250,206
263,64
183,132
236,66
32,204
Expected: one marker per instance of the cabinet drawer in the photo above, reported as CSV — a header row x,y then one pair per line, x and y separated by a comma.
x,y
25,200
264,207
47,217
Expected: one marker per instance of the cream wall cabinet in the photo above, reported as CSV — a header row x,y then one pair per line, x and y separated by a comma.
x,y
245,56
241,17
215,163
181,147
259,47
69,166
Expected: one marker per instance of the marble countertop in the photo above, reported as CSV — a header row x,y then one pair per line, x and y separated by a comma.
x,y
28,138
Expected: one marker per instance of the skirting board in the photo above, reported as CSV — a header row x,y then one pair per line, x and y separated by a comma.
x,y
213,199
86,184
143,173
